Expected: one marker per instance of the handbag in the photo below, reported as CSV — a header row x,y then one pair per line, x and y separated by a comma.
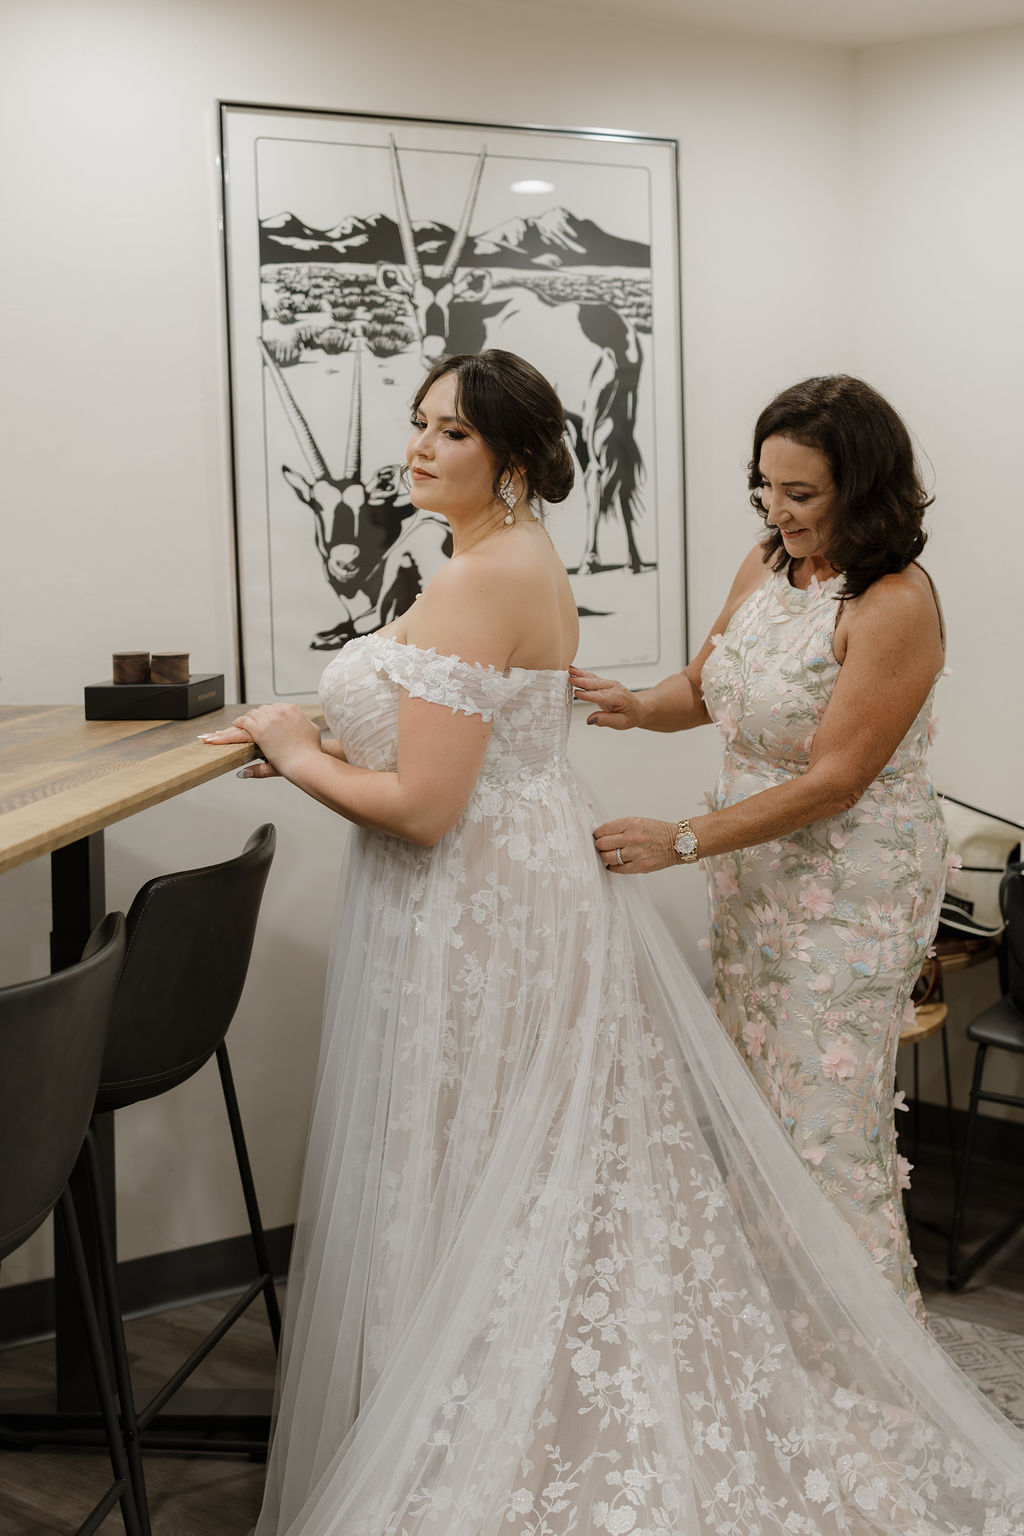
x,y
985,844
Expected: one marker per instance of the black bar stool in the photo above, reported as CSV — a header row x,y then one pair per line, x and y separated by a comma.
x,y
189,939
999,1028
52,1035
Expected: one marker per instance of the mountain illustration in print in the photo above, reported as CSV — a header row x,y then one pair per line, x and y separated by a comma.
x,y
557,239
553,239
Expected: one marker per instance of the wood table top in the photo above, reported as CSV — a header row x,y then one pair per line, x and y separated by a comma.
x,y
63,777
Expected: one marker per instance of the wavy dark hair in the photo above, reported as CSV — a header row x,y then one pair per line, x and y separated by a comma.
x,y
880,501
516,412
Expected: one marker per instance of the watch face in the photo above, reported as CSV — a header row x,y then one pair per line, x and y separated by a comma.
x,y
686,843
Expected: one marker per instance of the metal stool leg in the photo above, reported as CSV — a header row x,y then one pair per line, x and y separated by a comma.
x,y
956,1278
949,1107
121,1489
115,1328
259,1240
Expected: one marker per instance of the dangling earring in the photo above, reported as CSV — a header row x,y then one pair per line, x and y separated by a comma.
x,y
508,496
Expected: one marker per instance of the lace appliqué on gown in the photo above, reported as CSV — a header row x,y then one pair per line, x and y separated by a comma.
x,y
440,679
557,1271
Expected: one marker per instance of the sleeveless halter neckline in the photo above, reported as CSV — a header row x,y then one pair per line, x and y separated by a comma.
x,y
799,599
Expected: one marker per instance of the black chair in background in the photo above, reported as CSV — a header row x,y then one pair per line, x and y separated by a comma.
x,y
1000,1028
189,939
52,1036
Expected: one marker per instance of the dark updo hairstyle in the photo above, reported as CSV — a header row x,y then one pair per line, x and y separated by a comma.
x,y
517,414
880,501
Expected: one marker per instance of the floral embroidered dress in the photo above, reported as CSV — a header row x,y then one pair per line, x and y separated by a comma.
x,y
557,1269
817,938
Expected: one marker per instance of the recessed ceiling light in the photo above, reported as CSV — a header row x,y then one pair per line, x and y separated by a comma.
x,y
533,186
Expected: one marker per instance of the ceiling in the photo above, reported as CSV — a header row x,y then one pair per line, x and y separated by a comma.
x,y
847,23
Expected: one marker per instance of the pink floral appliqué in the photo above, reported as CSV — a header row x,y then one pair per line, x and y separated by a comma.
x,y
816,901
727,723
839,1061
754,1037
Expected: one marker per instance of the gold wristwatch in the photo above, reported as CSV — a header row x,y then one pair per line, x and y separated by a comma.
x,y
685,844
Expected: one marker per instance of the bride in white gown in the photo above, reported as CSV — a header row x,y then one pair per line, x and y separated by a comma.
x,y
557,1268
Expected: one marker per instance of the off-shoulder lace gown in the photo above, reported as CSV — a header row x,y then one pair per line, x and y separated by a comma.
x,y
557,1267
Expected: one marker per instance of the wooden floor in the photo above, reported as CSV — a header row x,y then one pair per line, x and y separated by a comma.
x,y
45,1493
995,1296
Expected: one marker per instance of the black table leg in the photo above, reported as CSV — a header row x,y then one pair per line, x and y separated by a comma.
x,y
77,880
77,875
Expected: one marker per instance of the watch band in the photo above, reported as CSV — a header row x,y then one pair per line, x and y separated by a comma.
x,y
685,843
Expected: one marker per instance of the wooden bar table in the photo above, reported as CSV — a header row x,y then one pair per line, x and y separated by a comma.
x,y
63,779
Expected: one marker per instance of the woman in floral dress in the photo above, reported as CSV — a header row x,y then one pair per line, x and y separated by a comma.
x,y
824,844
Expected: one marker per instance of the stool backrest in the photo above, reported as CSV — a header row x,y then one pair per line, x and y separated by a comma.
x,y
1011,900
52,1034
190,935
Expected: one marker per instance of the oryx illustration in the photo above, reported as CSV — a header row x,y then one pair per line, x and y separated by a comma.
x,y
376,552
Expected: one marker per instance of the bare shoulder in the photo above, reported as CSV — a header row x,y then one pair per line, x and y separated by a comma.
x,y
498,568
527,579
753,573
904,597
465,611
901,609
462,582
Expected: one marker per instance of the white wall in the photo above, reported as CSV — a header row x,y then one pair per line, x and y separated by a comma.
x,y
116,460
940,327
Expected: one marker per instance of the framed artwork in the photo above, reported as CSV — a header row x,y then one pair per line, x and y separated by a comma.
x,y
358,250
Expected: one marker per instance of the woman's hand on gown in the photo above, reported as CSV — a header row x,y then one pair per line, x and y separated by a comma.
x,y
645,845
616,705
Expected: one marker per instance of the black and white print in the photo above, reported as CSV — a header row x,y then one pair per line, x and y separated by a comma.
x,y
360,250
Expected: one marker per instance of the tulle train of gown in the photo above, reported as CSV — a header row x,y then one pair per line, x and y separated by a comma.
x,y
558,1269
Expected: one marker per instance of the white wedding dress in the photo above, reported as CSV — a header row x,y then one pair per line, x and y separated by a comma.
x,y
558,1269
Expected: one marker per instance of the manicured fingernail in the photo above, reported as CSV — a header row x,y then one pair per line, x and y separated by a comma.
x,y
244,773
210,735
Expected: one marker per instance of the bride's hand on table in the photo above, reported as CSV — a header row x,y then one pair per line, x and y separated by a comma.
x,y
281,732
636,845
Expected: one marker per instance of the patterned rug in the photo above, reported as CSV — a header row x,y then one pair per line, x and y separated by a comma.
x,y
992,1358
